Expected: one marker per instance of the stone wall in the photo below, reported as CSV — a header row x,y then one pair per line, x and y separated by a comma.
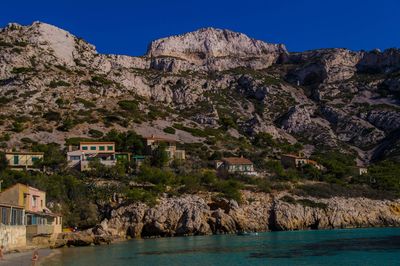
x,y
12,237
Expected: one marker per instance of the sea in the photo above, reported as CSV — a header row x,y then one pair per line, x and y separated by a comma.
x,y
373,246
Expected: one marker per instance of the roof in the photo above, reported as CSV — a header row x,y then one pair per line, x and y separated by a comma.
x,y
152,137
236,160
291,156
25,152
312,162
10,206
96,142
23,185
77,152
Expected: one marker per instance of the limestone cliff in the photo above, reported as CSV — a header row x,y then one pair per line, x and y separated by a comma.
x,y
203,214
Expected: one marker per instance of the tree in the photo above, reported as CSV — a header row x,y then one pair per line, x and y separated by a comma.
x,y
126,141
159,156
53,156
3,161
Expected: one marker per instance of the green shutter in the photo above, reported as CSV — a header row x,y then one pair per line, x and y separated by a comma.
x,y
16,159
102,148
84,148
109,148
92,148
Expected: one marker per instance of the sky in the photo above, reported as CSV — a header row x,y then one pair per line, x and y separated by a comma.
x,y
126,27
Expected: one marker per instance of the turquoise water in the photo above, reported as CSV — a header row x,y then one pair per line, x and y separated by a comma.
x,y
325,247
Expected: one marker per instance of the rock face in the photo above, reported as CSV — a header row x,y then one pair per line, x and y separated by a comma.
x,y
204,215
332,98
328,65
215,49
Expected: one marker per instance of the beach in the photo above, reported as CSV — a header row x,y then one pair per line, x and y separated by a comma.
x,y
24,258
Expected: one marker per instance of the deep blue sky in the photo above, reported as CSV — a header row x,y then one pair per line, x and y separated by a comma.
x,y
126,27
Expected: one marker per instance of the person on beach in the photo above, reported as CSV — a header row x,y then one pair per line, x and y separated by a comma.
x,y
35,257
1,252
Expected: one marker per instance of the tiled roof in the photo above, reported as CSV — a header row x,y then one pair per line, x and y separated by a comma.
x,y
152,137
25,153
291,156
236,160
96,142
10,206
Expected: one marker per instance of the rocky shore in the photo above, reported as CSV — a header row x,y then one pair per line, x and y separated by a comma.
x,y
205,214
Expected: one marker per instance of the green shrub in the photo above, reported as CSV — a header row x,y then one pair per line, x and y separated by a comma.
x,y
101,80
141,195
17,127
227,122
169,130
52,116
98,81
67,124
312,204
288,199
58,83
21,70
229,189
337,163
86,103
132,106
5,44
95,133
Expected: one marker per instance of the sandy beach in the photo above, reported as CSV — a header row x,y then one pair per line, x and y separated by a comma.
x,y
24,258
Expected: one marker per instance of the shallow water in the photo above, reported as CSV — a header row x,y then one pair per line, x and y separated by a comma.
x,y
366,247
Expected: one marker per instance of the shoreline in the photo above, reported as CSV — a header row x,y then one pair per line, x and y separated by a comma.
x,y
55,256
24,257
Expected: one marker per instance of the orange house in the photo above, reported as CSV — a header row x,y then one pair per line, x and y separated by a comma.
x,y
38,218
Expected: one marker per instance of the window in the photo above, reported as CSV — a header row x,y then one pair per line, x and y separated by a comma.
x,y
34,201
102,148
74,158
16,217
92,148
4,217
110,148
85,148
16,159
35,159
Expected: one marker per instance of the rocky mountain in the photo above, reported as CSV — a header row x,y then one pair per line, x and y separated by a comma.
x,y
215,87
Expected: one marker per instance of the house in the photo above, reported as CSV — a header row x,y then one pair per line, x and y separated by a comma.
x,y
37,218
23,160
86,152
236,165
12,226
359,170
153,142
294,161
